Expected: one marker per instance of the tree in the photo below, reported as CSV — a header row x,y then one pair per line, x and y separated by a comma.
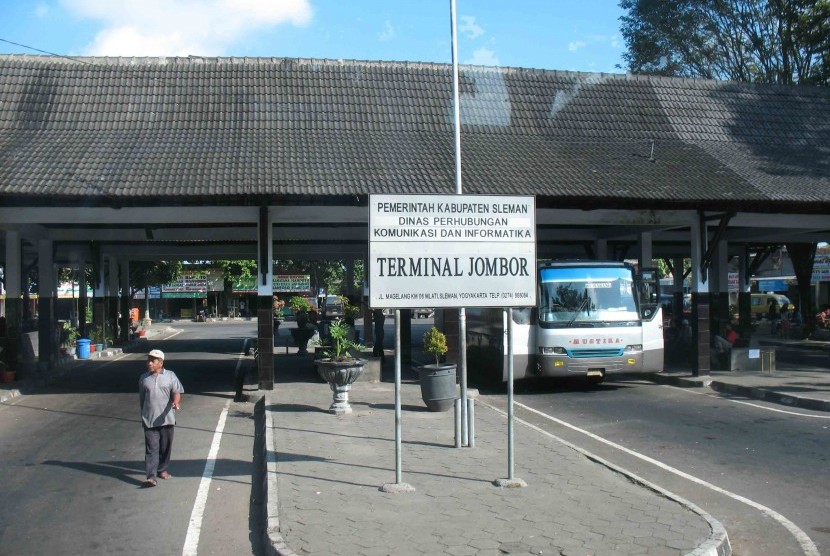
x,y
144,274
769,41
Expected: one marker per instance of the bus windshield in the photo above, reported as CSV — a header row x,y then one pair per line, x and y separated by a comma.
x,y
586,296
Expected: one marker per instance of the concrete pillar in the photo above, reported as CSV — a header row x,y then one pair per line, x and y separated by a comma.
x,y
125,301
700,304
47,327
113,285
12,274
720,285
82,299
99,292
601,249
744,297
265,293
644,250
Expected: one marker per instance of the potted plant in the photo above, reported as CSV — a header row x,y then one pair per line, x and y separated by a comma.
x,y
71,335
98,337
279,312
438,380
301,308
339,367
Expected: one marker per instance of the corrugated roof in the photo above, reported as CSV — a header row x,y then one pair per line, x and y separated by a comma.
x,y
224,127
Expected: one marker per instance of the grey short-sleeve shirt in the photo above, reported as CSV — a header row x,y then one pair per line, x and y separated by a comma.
x,y
156,396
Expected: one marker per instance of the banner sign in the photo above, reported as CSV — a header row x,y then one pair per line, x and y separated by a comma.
x,y
283,283
188,282
452,251
155,293
68,290
288,283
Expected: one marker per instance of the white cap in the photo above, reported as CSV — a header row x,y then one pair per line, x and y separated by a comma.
x,y
157,353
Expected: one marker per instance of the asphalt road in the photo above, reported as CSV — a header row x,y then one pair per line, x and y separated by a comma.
x,y
768,454
73,458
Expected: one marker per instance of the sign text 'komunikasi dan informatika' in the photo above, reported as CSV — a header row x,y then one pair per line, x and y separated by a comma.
x,y
452,251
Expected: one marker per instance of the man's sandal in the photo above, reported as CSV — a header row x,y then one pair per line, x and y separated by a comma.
x,y
149,483
165,475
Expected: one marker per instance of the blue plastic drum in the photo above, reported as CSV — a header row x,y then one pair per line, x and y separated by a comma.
x,y
83,348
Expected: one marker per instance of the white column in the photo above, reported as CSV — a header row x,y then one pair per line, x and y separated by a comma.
x,y
12,273
720,268
644,249
47,286
696,278
743,274
601,249
266,289
100,288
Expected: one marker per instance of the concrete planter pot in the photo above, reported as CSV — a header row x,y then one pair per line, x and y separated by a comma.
x,y
340,376
437,386
301,337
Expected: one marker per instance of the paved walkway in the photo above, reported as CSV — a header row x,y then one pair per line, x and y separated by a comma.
x,y
325,474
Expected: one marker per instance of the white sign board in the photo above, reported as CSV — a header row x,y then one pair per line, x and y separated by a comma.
x,y
452,251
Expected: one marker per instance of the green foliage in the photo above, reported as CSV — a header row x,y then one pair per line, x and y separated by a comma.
x,y
299,304
70,333
435,342
144,274
340,341
98,335
744,40
234,271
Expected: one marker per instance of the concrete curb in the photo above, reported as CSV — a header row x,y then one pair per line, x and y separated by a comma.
x,y
272,538
760,393
754,392
718,542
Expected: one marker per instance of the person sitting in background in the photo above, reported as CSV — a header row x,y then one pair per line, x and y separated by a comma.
x,y
722,345
772,315
784,321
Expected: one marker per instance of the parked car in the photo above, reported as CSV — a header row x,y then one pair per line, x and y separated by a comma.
x,y
761,301
423,313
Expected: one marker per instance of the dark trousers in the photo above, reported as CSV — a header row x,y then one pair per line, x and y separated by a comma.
x,y
158,444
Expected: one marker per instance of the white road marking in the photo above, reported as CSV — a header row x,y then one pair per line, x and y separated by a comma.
x,y
721,397
191,542
807,545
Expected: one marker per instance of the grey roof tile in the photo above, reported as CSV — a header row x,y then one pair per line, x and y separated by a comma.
x,y
169,127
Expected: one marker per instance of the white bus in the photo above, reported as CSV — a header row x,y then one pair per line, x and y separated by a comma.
x,y
593,319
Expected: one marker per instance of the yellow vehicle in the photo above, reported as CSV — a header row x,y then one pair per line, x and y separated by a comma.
x,y
761,301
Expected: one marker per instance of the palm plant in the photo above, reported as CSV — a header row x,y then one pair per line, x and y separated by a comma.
x,y
340,342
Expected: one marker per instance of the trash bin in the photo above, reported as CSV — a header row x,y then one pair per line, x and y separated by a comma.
x,y
83,348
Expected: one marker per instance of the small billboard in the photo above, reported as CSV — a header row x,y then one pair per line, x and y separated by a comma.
x,y
452,251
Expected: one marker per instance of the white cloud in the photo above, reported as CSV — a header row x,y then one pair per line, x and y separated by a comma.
x,y
468,26
576,45
181,27
388,32
483,57
42,10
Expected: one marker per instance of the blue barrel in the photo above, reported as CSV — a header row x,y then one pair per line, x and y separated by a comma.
x,y
83,348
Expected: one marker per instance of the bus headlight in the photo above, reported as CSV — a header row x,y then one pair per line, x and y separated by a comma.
x,y
557,350
633,348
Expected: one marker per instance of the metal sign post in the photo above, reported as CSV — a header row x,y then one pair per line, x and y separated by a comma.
x,y
510,481
398,486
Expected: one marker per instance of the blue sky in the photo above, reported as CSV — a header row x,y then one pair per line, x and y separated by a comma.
x,y
550,34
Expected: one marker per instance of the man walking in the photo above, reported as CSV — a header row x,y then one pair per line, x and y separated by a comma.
x,y
160,393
